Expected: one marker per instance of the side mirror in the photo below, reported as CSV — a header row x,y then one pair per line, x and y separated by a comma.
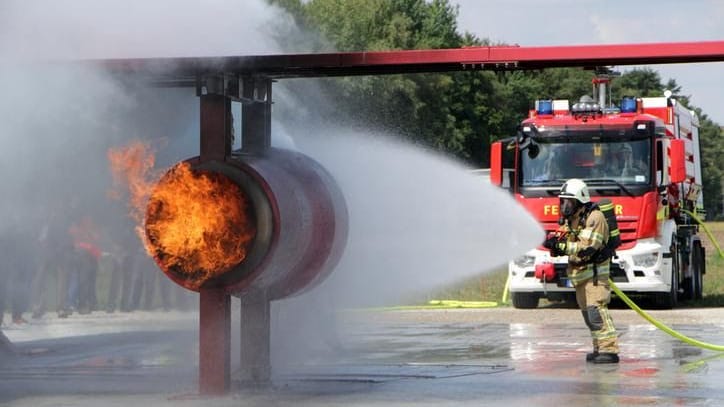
x,y
677,161
496,163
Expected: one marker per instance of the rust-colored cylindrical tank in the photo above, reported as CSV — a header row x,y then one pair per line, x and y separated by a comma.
x,y
278,217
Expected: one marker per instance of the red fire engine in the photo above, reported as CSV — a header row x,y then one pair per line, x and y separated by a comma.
x,y
643,155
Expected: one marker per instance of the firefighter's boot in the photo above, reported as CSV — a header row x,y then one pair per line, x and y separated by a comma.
x,y
605,357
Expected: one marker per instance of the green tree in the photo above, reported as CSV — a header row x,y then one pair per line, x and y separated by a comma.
x,y
637,82
432,109
711,143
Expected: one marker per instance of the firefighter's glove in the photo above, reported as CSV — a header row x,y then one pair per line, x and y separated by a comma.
x,y
587,253
557,247
550,242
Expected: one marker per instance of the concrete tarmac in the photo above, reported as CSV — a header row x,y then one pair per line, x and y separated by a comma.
x,y
498,356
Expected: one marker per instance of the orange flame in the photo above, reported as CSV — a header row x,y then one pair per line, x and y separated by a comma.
x,y
199,223
196,224
132,169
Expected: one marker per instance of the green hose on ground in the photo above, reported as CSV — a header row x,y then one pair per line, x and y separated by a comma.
x,y
661,326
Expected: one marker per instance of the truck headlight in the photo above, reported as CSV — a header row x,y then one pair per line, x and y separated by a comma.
x,y
645,260
524,261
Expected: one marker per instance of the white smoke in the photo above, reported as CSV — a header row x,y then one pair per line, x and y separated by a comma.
x,y
89,29
58,116
417,220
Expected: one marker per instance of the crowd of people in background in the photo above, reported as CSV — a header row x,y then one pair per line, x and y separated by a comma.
x,y
77,268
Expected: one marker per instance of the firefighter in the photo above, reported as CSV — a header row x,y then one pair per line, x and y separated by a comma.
x,y
583,234
630,165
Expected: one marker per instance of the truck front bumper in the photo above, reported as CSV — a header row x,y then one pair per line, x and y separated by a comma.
x,y
643,268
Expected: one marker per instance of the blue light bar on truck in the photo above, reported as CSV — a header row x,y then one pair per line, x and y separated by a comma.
x,y
628,105
544,106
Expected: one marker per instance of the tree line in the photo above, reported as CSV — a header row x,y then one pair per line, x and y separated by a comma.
x,y
460,113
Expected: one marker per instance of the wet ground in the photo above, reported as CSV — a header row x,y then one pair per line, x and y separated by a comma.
x,y
498,356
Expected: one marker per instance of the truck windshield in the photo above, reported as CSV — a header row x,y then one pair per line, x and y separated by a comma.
x,y
625,162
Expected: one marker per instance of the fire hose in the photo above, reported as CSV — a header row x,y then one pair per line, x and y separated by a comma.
x,y
661,326
706,229
441,304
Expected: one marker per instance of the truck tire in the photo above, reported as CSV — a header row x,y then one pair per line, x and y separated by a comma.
x,y
687,285
525,300
670,299
697,264
6,348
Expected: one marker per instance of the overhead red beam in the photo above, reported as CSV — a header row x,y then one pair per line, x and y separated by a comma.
x,y
432,60
618,54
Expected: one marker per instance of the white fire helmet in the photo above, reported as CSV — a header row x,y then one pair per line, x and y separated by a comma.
x,y
576,189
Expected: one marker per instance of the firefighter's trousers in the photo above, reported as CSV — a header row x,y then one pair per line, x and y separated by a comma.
x,y
593,299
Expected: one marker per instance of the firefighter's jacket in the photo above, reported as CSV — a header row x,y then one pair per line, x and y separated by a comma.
x,y
591,232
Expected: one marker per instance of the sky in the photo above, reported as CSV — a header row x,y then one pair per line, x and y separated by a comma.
x,y
565,22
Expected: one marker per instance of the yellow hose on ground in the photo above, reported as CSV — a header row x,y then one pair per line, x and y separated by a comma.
x,y
701,363
462,304
706,229
441,304
504,300
661,326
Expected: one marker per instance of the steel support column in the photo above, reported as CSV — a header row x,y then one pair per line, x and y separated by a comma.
x,y
216,132
214,303
214,341
216,127
256,114
255,339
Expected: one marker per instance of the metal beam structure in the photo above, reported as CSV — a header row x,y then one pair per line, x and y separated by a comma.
x,y
186,71
216,92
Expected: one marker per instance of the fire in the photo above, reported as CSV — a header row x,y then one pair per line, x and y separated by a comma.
x,y
198,223
132,168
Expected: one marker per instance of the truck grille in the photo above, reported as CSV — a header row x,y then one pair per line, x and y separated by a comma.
x,y
628,230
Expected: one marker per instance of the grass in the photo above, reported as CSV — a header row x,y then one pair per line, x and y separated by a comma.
x,y
489,286
486,287
714,277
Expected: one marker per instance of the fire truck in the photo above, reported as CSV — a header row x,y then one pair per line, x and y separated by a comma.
x,y
643,155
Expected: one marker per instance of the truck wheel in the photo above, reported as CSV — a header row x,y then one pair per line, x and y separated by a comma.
x,y
697,264
6,348
670,299
525,300
687,285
